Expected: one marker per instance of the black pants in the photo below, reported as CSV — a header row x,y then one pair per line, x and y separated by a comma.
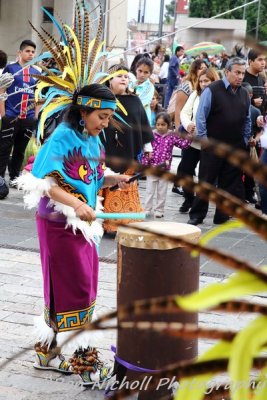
x,y
17,135
188,164
229,178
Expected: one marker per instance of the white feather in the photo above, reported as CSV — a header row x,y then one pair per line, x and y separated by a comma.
x,y
84,339
42,332
35,188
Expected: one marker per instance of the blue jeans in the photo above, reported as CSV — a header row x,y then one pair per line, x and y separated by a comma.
x,y
263,189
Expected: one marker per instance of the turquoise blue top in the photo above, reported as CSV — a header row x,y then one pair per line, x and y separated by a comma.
x,y
65,156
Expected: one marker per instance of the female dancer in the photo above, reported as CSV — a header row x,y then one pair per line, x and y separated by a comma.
x,y
65,181
130,143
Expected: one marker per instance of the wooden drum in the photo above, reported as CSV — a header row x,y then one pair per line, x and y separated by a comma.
x,y
151,266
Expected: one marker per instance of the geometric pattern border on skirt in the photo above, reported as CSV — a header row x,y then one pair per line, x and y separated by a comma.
x,y
71,320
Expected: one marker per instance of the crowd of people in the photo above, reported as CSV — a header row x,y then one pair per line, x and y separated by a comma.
x,y
184,95
125,117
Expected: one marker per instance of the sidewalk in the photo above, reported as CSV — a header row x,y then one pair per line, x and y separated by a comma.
x,y
21,296
21,300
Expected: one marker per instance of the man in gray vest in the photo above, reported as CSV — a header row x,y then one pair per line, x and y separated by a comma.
x,y
223,114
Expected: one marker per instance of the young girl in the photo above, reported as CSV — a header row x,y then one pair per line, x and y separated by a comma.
x,y
63,184
143,86
163,143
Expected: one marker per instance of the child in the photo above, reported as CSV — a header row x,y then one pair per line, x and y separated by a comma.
x,y
156,108
142,86
162,144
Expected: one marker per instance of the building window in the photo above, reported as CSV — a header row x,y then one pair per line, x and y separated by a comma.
x,y
45,16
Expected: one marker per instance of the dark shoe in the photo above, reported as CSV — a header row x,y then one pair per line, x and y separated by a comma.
x,y
195,221
219,221
177,190
185,207
3,189
258,206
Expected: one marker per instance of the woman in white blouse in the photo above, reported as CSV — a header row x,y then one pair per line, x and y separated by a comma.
x,y
191,155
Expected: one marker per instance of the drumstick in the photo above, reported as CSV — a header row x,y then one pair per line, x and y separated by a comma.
x,y
133,178
130,215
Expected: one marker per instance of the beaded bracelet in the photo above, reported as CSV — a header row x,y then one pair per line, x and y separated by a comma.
x,y
76,208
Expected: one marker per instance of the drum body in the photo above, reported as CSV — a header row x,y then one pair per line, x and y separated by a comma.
x,y
152,266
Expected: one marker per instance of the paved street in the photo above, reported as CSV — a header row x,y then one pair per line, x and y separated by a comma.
x,y
21,296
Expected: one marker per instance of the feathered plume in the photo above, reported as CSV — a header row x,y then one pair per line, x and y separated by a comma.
x,y
78,58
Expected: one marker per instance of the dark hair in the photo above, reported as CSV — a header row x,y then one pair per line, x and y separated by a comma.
x,y
146,61
253,54
27,43
135,61
166,58
178,48
156,94
73,115
3,59
205,54
165,116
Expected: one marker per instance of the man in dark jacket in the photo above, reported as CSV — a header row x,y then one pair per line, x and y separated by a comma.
x,y
223,114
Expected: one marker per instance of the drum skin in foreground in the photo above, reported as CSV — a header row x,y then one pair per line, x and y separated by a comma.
x,y
152,266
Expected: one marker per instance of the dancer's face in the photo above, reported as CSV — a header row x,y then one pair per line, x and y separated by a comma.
x,y
119,84
97,120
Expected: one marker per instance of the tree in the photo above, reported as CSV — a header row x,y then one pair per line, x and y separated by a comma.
x,y
209,8
170,12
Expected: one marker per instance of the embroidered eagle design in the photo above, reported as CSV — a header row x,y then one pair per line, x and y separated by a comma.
x,y
77,167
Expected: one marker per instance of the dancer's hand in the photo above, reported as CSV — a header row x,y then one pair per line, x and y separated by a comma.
x,y
85,212
122,181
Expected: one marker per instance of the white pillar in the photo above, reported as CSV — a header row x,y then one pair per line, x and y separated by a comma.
x,y
36,19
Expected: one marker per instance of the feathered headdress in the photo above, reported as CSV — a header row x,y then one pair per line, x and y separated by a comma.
x,y
78,58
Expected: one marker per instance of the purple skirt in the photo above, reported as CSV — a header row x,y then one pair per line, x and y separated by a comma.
x,y
70,275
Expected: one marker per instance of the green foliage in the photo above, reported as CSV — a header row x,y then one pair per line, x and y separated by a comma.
x,y
170,12
209,8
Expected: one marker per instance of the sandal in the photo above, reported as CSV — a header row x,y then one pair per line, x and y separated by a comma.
x,y
49,360
92,371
